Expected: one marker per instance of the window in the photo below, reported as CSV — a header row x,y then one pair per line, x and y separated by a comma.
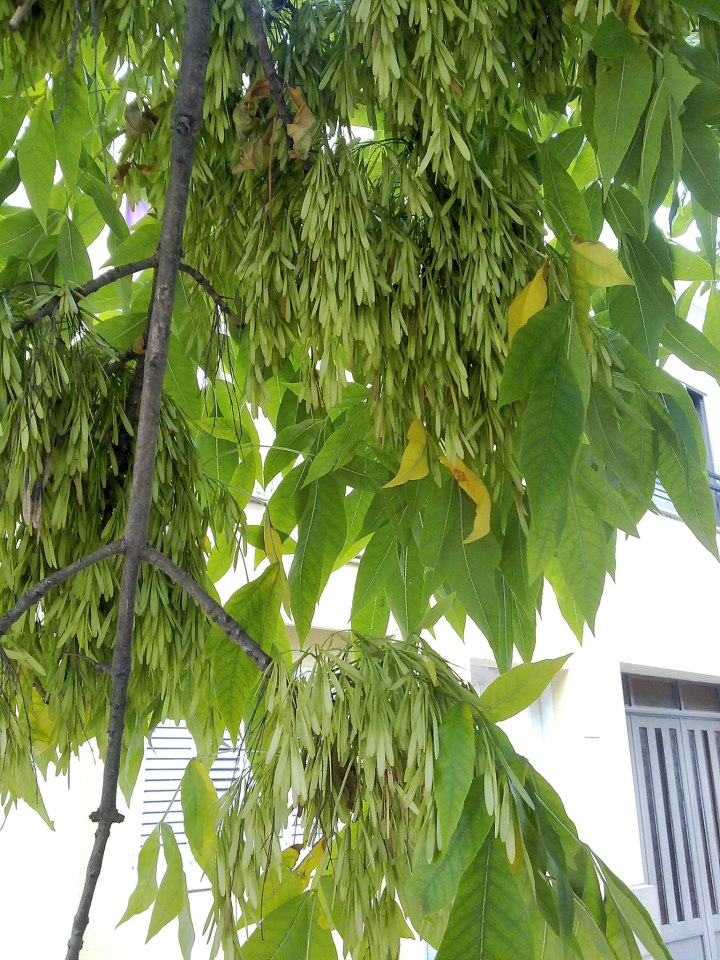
x,y
170,750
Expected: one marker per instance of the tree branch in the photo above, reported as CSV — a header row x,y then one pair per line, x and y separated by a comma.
x,y
44,586
212,608
185,124
210,290
253,11
92,286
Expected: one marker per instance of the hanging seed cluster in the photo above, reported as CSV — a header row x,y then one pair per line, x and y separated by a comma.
x,y
65,455
394,261
346,752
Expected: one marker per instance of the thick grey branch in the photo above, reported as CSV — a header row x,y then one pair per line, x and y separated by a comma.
x,y
253,11
185,124
92,286
212,608
44,586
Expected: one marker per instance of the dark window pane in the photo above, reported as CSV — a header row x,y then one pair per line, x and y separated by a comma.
x,y
652,817
700,797
669,824
654,692
700,696
674,746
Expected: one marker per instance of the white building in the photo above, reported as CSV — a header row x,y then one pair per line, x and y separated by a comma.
x,y
628,733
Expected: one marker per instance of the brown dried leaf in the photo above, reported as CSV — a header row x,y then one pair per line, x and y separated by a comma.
x,y
301,129
138,121
255,156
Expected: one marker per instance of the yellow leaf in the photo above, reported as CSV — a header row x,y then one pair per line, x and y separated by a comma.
x,y
531,298
473,486
414,465
628,9
313,860
597,264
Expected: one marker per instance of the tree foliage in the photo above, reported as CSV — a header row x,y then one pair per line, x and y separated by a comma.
x,y
393,252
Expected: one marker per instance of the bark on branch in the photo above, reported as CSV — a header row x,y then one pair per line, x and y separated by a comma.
x,y
203,282
55,579
92,286
118,273
229,627
185,124
253,11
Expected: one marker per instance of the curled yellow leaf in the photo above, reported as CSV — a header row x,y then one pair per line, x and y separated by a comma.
x,y
531,298
413,465
473,486
628,10
596,263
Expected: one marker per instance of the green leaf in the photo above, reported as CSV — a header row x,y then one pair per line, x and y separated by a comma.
x,y
514,691
565,599
376,562
9,177
607,501
236,678
703,8
623,89
582,554
93,184
436,519
711,326
613,39
72,121
284,504
454,769
532,349
701,164
565,206
488,917
256,606
36,156
692,347
200,808
434,884
291,932
469,568
404,588
340,446
636,915
20,233
13,111
641,312
652,140
373,618
290,442
682,472
688,265
181,378
173,890
141,243
146,889
321,534
73,258
552,428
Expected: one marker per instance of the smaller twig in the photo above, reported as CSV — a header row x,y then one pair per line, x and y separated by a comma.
x,y
211,607
22,12
253,11
218,300
92,286
55,579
